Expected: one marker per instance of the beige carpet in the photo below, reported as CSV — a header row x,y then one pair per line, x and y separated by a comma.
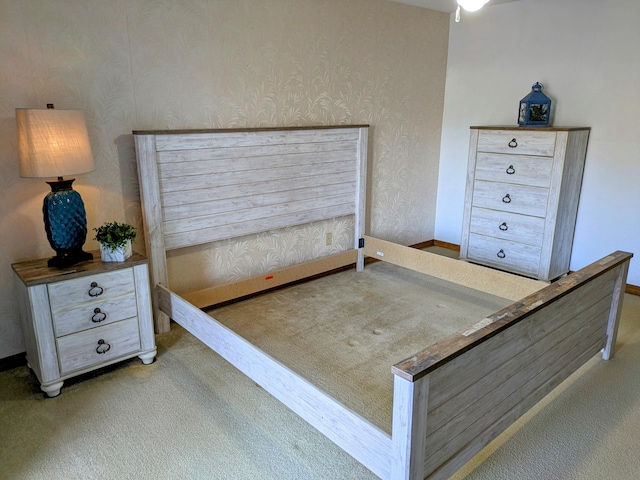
x,y
344,332
190,415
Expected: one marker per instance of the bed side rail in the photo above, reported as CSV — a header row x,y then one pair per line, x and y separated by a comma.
x,y
358,437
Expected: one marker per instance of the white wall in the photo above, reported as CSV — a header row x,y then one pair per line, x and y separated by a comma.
x,y
586,53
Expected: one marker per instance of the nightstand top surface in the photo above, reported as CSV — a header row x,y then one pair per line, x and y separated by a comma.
x,y
35,272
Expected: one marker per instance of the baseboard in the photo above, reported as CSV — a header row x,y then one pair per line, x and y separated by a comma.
x,y
633,290
14,361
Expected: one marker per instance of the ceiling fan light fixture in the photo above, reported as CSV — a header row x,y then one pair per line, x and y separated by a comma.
x,y
472,5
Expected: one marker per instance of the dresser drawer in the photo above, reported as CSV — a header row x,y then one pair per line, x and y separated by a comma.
x,y
507,226
82,349
512,256
94,314
511,198
91,288
516,142
520,169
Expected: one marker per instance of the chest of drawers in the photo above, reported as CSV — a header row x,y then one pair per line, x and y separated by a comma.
x,y
521,200
84,317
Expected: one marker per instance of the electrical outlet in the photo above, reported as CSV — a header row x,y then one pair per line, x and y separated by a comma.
x,y
328,238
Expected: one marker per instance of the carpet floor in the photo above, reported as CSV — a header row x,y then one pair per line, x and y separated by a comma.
x,y
191,415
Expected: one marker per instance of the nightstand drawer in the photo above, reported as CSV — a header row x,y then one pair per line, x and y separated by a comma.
x,y
511,198
519,169
507,226
91,288
94,314
98,345
504,254
517,142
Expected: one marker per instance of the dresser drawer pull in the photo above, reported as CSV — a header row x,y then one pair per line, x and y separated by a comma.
x,y
501,254
98,316
513,143
506,198
503,226
95,290
103,347
511,170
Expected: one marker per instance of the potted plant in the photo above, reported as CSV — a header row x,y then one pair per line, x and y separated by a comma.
x,y
115,241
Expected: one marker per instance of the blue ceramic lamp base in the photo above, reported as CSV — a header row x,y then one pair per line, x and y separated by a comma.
x,y
65,222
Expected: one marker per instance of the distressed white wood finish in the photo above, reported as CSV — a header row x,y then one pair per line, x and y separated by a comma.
x,y
358,437
58,316
198,187
82,349
451,398
535,173
483,379
507,226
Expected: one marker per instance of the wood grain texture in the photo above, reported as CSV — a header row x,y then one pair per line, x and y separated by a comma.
x,y
535,174
362,440
203,186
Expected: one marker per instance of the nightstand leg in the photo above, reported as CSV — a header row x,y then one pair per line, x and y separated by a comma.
x,y
52,389
147,358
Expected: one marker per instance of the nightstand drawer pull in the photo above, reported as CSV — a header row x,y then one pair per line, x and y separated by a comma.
x,y
513,143
510,170
98,316
95,290
103,347
501,254
503,226
506,198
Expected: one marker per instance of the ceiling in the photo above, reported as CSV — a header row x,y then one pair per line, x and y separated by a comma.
x,y
444,5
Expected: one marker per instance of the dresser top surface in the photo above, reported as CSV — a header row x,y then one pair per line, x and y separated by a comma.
x,y
35,272
530,128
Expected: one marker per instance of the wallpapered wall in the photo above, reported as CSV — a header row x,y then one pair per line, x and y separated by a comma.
x,y
163,64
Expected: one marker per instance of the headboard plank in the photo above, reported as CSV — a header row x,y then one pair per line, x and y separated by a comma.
x,y
221,184
252,138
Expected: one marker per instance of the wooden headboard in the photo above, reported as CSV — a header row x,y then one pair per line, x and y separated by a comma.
x,y
201,186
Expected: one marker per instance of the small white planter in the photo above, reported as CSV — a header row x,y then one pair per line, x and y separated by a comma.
x,y
117,255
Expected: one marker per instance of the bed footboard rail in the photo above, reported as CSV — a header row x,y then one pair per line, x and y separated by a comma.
x,y
361,439
456,396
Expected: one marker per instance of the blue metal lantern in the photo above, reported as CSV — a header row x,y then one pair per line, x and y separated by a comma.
x,y
535,108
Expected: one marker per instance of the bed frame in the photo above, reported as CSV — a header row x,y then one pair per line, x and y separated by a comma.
x,y
450,399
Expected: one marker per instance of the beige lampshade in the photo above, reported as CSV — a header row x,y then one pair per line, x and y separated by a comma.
x,y
53,143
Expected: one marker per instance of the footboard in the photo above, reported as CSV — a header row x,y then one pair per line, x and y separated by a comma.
x,y
454,397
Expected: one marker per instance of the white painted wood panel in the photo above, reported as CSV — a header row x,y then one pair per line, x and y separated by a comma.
x,y
517,142
358,437
518,169
453,378
227,138
80,350
511,198
508,226
70,293
505,254
94,314
198,187
536,172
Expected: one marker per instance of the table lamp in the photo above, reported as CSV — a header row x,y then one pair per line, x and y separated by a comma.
x,y
55,143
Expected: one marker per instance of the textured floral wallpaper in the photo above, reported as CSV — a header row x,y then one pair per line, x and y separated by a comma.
x,y
169,64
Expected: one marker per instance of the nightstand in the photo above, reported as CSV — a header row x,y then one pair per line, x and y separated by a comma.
x,y
84,317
